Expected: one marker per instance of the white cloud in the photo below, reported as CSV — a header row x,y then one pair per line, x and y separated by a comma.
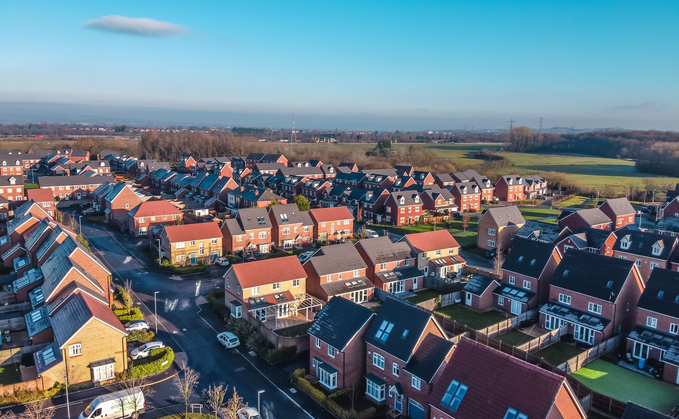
x,y
139,26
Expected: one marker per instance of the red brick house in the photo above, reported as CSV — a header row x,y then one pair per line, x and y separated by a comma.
x,y
590,218
391,342
338,270
313,190
250,231
150,214
444,180
467,196
496,227
535,186
510,188
647,250
478,292
472,176
187,164
594,295
391,266
44,198
671,209
423,178
402,208
290,227
12,187
436,252
371,203
73,187
332,223
351,166
118,202
377,181
254,158
527,270
590,240
11,166
78,156
657,323
619,211
438,200
337,345
481,382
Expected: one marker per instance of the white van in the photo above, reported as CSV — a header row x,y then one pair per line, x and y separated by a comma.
x,y
128,403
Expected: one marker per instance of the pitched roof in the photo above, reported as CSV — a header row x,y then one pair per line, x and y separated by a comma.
x,y
642,243
397,328
40,195
257,273
478,284
408,198
619,206
337,258
339,321
504,216
431,240
592,274
47,181
592,216
331,214
428,357
539,230
254,218
289,214
153,208
528,257
496,382
661,294
382,250
189,232
7,180
76,313
591,237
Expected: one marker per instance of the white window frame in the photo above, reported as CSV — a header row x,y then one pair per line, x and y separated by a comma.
x,y
594,308
512,280
501,300
416,383
75,350
276,286
395,369
565,299
526,284
331,351
491,232
255,290
318,343
491,243
378,360
651,322
103,372
295,282
374,390
674,328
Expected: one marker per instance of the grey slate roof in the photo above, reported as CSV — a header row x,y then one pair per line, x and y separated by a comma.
x,y
592,274
32,239
514,293
428,357
347,285
504,216
290,214
339,321
619,206
592,216
590,237
47,181
382,250
397,328
37,321
337,258
528,257
49,241
254,218
478,284
67,321
670,224
541,231
661,294
641,243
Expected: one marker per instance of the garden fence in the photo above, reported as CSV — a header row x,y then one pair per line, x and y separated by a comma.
x,y
590,355
545,340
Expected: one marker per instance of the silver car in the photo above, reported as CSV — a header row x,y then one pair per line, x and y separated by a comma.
x,y
137,325
145,350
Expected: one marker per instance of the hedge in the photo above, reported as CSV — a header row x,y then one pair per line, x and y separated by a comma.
x,y
140,336
21,396
126,316
312,391
184,270
158,360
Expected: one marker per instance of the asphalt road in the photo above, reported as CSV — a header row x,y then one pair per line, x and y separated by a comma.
x,y
186,324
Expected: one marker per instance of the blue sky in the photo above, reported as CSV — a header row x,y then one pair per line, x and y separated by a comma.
x,y
352,64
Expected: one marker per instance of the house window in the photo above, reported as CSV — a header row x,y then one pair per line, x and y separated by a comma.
x,y
491,231
180,245
594,308
262,234
164,217
323,224
327,379
142,231
378,360
255,290
276,286
500,300
252,236
454,395
358,297
526,284
236,311
624,244
651,322
438,253
193,243
331,351
142,219
514,414
285,231
654,265
213,241
318,343
104,372
638,262
306,229
239,238
374,390
565,299
238,290
153,218
295,282
512,279
657,251
583,334
416,383
75,350
641,350
126,205
674,328
181,258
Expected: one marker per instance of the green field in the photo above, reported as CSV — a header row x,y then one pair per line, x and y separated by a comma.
x,y
625,385
573,202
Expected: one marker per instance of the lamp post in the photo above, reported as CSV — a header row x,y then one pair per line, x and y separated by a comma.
x,y
80,223
68,406
155,309
653,196
159,258
258,404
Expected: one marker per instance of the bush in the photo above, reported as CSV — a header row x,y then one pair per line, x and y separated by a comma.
x,y
277,355
158,360
167,266
334,408
126,316
312,391
367,413
21,396
140,336
256,342
234,259
298,373
240,328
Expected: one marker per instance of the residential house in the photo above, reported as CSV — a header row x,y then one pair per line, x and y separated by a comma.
x,y
250,231
535,186
302,172
150,214
220,191
313,189
619,211
467,196
371,204
332,223
254,158
260,198
403,183
78,156
478,292
437,252
402,170
437,200
671,207
11,166
338,270
290,227
378,181
647,250
4,208
591,218
496,227
444,180
337,345
594,296
391,266
510,188
402,208
12,187
44,198
191,243
668,226
423,178
590,240
351,166
187,163
73,187
472,176
542,232
481,382
350,179
268,168
120,200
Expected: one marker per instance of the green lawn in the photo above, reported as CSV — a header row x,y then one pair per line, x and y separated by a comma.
x,y
559,353
466,239
539,212
625,385
9,374
515,338
463,315
31,186
424,295
573,202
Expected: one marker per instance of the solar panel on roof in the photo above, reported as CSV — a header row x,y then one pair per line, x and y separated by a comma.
x,y
48,356
36,316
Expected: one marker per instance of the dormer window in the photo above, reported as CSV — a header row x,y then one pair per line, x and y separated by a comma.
x,y
12,181
417,199
402,200
624,243
657,250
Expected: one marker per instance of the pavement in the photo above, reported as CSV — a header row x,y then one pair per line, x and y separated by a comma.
x,y
186,323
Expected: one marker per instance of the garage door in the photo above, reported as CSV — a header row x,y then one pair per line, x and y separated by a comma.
x,y
415,410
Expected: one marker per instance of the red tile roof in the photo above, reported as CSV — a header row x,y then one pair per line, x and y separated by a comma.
x,y
154,208
197,231
103,313
40,195
432,240
331,214
268,271
496,382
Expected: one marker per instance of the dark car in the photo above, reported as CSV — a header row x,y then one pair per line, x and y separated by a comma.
x,y
249,258
491,253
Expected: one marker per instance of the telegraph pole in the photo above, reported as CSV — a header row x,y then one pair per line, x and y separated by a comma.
x,y
293,134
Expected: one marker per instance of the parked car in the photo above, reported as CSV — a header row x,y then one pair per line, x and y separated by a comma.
x,y
228,340
303,257
89,211
249,258
145,350
371,233
644,209
248,413
222,261
137,325
491,253
129,403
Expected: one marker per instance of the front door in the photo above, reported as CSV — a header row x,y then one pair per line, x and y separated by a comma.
x,y
414,284
398,402
516,307
78,195
192,256
468,300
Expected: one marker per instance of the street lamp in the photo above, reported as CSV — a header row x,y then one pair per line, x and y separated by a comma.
x,y
68,407
80,223
258,405
155,308
654,196
159,259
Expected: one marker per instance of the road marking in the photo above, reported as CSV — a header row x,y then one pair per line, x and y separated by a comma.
x,y
260,372
197,288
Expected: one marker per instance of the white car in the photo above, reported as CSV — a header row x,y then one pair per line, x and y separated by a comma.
x,y
228,340
145,350
371,233
248,413
137,325
222,261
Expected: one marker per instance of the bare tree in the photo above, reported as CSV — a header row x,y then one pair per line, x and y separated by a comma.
x,y
128,301
186,385
38,410
73,224
465,222
498,261
214,398
233,405
8,414
129,386
353,392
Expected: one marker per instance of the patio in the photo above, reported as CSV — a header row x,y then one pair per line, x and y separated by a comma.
x,y
625,385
